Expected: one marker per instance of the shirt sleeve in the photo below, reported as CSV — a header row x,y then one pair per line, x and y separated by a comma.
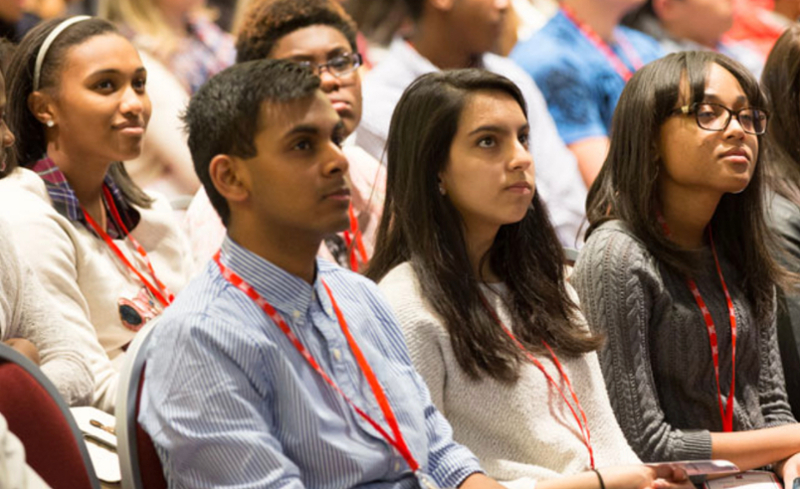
x,y
48,248
571,100
59,347
611,277
772,385
449,463
205,403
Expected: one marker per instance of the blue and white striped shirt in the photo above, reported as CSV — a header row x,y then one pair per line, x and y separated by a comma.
x,y
229,401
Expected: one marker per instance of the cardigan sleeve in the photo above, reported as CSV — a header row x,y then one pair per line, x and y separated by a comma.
x,y
772,385
49,250
617,282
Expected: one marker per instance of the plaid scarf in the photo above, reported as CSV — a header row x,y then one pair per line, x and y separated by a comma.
x,y
66,202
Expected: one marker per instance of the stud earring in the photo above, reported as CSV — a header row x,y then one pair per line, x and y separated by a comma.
x,y
441,189
50,123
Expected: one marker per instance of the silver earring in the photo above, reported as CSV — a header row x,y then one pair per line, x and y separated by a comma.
x,y
50,123
441,189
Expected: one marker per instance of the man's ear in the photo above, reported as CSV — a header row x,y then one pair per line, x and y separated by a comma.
x,y
42,107
230,177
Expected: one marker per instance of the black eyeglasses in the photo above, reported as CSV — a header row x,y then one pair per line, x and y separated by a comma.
x,y
341,65
716,117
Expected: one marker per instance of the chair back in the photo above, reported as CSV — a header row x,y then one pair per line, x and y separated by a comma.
x,y
139,463
39,417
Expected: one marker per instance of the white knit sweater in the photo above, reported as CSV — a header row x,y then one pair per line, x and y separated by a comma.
x,y
523,432
24,313
82,276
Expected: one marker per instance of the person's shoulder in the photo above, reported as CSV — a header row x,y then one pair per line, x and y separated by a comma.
x,y
647,46
615,242
204,304
400,284
543,53
393,73
403,292
784,215
343,279
33,212
23,184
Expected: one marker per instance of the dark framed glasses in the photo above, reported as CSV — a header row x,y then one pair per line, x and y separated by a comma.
x,y
341,65
716,117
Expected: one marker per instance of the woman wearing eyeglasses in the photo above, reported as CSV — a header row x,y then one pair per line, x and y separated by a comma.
x,y
320,35
678,273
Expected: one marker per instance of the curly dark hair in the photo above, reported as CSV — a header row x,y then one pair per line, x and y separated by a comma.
x,y
266,21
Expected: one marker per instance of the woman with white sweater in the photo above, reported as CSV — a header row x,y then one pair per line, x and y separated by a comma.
x,y
109,256
472,267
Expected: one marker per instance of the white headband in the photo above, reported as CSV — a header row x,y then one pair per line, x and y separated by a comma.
x,y
37,72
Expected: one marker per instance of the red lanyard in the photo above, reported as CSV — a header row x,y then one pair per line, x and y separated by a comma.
x,y
725,412
354,234
583,423
398,442
621,68
159,290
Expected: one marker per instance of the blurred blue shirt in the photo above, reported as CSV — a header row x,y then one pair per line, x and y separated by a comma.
x,y
578,82
230,402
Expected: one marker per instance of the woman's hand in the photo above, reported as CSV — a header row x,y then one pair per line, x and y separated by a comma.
x,y
25,347
789,469
661,476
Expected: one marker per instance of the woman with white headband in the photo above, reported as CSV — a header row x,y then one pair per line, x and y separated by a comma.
x,y
108,254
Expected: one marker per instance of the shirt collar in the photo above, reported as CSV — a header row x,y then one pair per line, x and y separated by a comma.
x,y
66,202
285,292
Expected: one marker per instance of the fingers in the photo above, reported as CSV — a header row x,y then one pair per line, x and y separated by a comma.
x,y
669,472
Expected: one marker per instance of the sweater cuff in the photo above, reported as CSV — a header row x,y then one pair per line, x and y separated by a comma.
x,y
696,445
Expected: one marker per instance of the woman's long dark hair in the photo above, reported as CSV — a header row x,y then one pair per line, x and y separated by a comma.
x,y
781,82
423,227
627,186
31,144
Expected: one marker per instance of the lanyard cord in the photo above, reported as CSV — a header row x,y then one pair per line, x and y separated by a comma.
x,y
159,290
616,62
583,425
354,234
726,409
397,441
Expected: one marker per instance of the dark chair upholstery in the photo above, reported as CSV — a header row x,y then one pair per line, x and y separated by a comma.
x,y
138,460
40,418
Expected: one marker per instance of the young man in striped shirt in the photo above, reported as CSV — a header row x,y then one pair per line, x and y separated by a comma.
x,y
274,368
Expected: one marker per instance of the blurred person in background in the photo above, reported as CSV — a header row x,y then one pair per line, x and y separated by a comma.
x,y
781,82
761,23
581,61
461,34
181,47
533,15
179,33
694,25
14,20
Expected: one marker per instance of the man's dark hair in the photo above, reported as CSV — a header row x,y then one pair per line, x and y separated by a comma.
x,y
223,117
267,21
